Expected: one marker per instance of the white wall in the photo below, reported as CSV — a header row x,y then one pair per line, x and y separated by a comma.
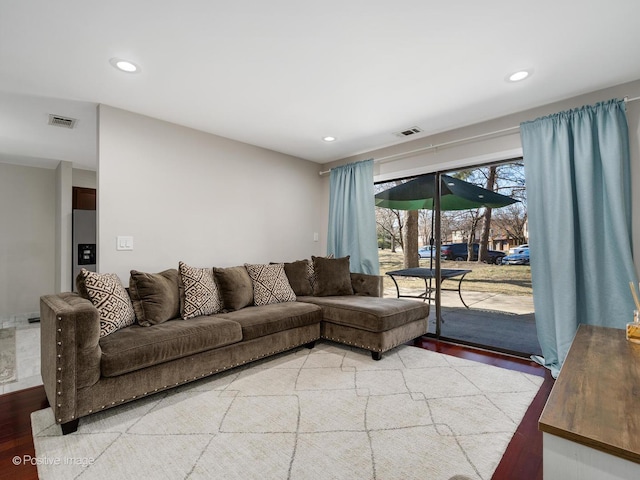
x,y
64,222
84,178
206,200
35,238
500,147
27,237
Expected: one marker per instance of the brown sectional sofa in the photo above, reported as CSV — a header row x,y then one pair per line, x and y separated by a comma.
x,y
84,372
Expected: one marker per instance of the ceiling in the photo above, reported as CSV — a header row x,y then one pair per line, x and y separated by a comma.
x,y
285,73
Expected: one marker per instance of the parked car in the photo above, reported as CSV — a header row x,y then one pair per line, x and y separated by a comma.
x,y
459,252
519,258
519,249
426,251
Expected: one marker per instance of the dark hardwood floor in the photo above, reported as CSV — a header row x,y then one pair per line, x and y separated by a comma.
x,y
15,432
522,459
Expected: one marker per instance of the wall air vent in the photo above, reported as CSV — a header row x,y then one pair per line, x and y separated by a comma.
x,y
60,121
408,132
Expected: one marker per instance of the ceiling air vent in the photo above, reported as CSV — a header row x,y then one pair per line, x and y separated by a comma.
x,y
59,121
408,132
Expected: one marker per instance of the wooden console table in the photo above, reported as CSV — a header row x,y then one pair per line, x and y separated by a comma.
x,y
591,422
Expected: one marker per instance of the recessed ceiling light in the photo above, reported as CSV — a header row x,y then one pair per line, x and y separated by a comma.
x,y
124,65
329,139
520,75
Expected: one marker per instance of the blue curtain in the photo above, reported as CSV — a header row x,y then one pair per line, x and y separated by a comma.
x,y
352,217
577,167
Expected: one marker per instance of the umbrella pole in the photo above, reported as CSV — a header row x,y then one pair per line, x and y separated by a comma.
x,y
436,208
431,241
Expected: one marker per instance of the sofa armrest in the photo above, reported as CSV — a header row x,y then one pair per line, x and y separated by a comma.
x,y
367,285
69,350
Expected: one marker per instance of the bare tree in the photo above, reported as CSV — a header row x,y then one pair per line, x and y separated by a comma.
x,y
410,247
512,220
390,226
483,250
424,225
473,222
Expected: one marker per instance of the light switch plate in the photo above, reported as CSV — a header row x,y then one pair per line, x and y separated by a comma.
x,y
124,243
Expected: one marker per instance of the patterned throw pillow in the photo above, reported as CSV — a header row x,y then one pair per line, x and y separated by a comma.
x,y
201,295
270,284
110,298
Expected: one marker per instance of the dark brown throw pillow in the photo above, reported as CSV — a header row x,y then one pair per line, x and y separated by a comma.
x,y
333,276
298,275
155,296
311,275
236,287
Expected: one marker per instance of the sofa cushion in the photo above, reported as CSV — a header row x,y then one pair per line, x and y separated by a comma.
x,y
138,347
311,274
110,298
298,276
276,317
155,296
201,295
270,284
373,314
333,276
368,285
236,287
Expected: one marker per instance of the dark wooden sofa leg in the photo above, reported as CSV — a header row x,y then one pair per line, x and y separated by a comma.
x,y
376,356
310,345
70,427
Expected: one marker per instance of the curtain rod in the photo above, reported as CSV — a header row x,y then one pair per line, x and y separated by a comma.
x,y
453,142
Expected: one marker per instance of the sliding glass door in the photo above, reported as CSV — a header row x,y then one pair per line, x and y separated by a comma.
x,y
466,234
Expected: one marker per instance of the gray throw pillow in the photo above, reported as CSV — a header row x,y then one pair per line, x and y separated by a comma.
x,y
236,287
333,276
311,274
298,275
155,296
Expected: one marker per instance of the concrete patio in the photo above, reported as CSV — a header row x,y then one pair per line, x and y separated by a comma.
x,y
493,320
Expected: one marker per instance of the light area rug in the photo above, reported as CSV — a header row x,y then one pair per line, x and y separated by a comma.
x,y
7,355
326,413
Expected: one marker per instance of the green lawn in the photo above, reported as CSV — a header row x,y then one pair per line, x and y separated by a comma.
x,y
508,279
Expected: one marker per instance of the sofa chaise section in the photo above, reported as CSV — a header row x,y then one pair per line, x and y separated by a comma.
x,y
373,323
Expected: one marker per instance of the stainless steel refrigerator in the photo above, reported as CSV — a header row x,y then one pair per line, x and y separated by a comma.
x,y
84,243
